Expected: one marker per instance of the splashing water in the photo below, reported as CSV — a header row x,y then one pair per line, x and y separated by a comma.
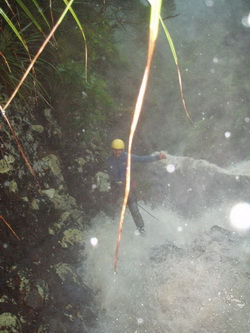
x,y
180,277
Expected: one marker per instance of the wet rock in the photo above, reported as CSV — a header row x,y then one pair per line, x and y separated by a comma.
x,y
60,223
53,128
40,290
220,233
36,294
65,271
102,181
165,251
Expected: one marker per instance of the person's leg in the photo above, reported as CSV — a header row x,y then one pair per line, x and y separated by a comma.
x,y
114,201
133,207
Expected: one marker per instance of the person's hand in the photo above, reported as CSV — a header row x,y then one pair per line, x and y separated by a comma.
x,y
162,156
119,183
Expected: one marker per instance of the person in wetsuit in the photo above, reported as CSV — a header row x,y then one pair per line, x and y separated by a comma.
x,y
116,167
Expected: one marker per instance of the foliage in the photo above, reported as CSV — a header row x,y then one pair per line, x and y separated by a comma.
x,y
14,60
81,105
20,25
60,74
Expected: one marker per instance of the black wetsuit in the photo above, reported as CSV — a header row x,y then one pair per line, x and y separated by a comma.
x,y
117,174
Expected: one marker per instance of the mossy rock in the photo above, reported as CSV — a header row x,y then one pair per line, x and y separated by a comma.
x,y
54,164
9,323
72,237
6,164
65,271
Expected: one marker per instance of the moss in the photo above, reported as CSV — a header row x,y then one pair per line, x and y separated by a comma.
x,y
51,231
9,323
102,180
54,164
50,192
6,164
71,236
35,204
57,226
42,329
81,162
64,217
24,283
5,299
38,128
34,292
64,201
63,270
42,289
13,186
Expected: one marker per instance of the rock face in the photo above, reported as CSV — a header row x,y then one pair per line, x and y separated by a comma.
x,y
40,288
191,186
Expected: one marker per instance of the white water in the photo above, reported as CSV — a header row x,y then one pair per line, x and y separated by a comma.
x,y
201,287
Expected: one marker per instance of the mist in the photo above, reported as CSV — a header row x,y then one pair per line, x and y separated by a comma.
x,y
187,273
211,39
180,277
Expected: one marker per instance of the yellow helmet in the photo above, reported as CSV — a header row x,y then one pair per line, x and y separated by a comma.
x,y
117,144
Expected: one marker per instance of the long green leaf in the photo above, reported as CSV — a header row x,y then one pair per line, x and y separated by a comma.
x,y
171,44
76,19
41,12
83,34
28,13
170,41
11,25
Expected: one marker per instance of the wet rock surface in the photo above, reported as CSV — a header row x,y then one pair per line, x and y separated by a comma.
x,y
40,288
